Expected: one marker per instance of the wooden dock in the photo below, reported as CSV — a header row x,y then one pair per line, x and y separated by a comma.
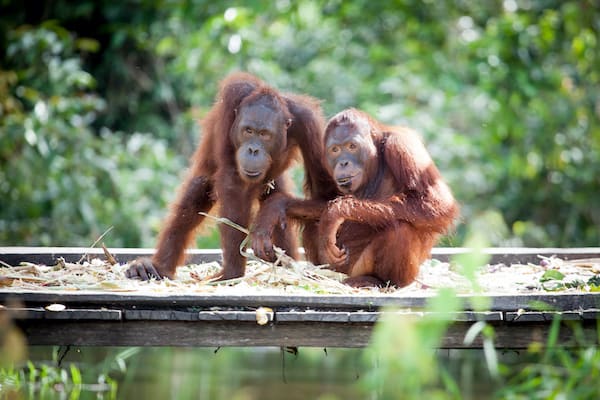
x,y
132,319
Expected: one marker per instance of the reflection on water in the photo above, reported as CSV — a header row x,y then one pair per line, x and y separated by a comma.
x,y
225,373
243,373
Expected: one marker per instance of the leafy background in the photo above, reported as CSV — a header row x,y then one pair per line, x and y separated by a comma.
x,y
99,103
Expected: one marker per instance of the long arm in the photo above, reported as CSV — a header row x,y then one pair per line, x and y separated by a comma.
x,y
305,210
307,130
178,231
434,209
420,212
274,213
233,197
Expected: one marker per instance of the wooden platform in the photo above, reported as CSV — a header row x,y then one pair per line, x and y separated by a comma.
x,y
134,319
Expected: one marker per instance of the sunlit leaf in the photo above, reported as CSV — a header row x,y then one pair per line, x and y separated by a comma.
x,y
552,274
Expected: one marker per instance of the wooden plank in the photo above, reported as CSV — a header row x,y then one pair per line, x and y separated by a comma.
x,y
372,317
521,335
158,315
519,255
84,314
503,302
22,313
248,316
173,315
547,300
48,255
250,334
289,328
313,316
505,255
464,316
364,316
536,316
134,319
189,333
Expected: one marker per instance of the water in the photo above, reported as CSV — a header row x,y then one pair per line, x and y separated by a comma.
x,y
226,373
236,373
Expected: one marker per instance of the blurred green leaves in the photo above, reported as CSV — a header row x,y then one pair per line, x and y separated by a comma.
x,y
62,182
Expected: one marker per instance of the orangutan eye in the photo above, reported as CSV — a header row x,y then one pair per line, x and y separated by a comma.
x,y
334,149
265,135
352,146
249,130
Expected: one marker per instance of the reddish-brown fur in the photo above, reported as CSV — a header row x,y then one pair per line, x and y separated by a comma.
x,y
214,176
385,229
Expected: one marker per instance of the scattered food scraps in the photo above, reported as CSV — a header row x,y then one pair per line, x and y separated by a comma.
x,y
290,277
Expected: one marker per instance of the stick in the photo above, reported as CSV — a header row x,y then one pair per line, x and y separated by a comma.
x,y
109,257
95,243
226,221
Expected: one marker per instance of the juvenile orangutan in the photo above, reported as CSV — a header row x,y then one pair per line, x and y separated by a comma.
x,y
250,137
392,206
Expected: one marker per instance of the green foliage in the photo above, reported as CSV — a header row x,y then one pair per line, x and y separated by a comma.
x,y
49,381
403,346
556,373
505,94
61,181
534,65
404,361
551,274
553,280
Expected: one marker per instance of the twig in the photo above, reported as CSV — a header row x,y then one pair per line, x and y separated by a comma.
x,y
240,279
23,278
230,223
249,255
109,257
227,222
95,243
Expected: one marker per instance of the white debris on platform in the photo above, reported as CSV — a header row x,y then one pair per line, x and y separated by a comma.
x,y
292,277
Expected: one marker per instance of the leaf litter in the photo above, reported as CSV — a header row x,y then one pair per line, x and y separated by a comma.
x,y
289,277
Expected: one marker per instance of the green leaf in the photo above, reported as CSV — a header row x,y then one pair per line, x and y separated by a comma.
x,y
166,46
87,44
594,288
552,274
594,280
76,375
